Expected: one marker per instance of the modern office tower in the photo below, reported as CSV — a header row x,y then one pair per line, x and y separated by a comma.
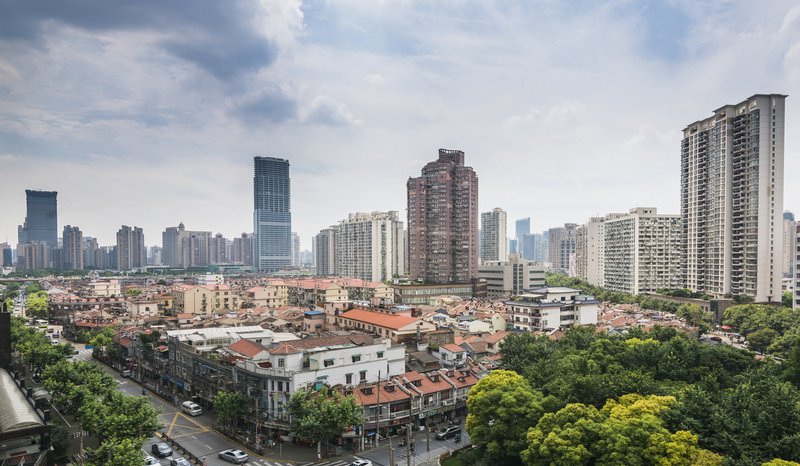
x,y
512,246
642,251
789,244
561,246
295,250
369,247
325,250
7,258
218,249
171,243
511,277
72,249
34,255
272,218
443,221
494,243
131,251
243,249
522,228
732,200
89,247
528,242
41,218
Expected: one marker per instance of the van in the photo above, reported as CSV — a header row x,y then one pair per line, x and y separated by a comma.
x,y
191,408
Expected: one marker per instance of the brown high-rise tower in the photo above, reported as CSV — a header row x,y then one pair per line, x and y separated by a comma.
x,y
443,221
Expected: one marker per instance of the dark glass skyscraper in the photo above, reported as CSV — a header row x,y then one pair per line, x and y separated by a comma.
x,y
272,218
41,218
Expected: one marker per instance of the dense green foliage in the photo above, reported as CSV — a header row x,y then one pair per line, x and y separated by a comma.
x,y
37,305
692,403
83,389
229,406
645,301
769,329
322,414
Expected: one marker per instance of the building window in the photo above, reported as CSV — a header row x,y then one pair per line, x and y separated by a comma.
x,y
280,386
328,362
356,357
380,354
348,379
281,362
362,376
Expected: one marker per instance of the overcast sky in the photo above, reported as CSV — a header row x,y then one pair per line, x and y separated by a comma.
x,y
149,112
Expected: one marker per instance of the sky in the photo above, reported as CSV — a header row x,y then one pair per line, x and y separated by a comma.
x,y
149,113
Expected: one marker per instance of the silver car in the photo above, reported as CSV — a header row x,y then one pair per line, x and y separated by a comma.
x,y
234,456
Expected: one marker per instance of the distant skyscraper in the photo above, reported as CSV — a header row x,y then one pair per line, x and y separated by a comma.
x,y
494,243
218,249
370,246
561,246
72,249
131,251
41,219
443,221
154,255
7,258
295,250
732,200
523,227
325,250
272,218
243,249
90,253
789,244
528,248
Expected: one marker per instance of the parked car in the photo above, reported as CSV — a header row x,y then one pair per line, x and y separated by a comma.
x,y
161,450
149,460
191,408
126,373
361,463
449,432
233,456
179,462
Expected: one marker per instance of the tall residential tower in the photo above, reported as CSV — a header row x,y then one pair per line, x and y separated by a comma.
x,y
732,200
494,244
443,221
272,218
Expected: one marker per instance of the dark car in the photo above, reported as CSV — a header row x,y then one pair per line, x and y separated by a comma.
x,y
161,450
449,432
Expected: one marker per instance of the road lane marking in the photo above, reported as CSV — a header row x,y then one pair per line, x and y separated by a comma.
x,y
172,425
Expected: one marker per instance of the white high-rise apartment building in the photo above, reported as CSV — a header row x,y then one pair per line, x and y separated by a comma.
x,y
732,200
642,251
494,244
590,255
325,251
789,245
370,247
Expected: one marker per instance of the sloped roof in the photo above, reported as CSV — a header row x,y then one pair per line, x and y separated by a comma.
x,y
381,320
247,348
15,411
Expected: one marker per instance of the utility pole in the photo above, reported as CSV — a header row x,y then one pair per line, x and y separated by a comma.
x,y
428,438
378,423
409,450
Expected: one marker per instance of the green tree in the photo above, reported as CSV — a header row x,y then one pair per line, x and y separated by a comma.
x,y
229,406
696,316
626,431
103,340
792,365
119,416
321,414
117,452
133,292
780,462
36,304
501,408
761,339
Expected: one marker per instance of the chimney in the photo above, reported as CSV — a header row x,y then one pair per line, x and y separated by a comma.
x,y
5,338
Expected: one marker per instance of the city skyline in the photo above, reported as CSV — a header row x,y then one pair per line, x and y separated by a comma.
x,y
116,104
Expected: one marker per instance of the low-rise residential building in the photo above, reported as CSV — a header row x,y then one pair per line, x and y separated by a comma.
x,y
105,288
315,293
552,308
452,355
274,294
511,277
398,328
204,299
424,294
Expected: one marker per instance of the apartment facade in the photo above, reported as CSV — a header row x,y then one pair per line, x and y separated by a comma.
x,y
511,277
550,308
642,251
796,302
561,247
72,248
131,251
369,246
204,299
443,221
732,200
789,245
325,251
494,241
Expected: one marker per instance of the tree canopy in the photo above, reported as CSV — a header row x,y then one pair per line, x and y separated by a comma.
x,y
321,414
229,406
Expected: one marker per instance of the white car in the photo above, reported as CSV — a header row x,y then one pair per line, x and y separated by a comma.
x,y
233,456
361,463
149,460
191,408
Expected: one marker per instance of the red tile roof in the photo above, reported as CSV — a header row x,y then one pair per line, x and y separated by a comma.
x,y
247,348
379,319
453,348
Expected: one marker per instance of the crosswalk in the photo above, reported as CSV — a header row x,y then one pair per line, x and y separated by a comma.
x,y
263,462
